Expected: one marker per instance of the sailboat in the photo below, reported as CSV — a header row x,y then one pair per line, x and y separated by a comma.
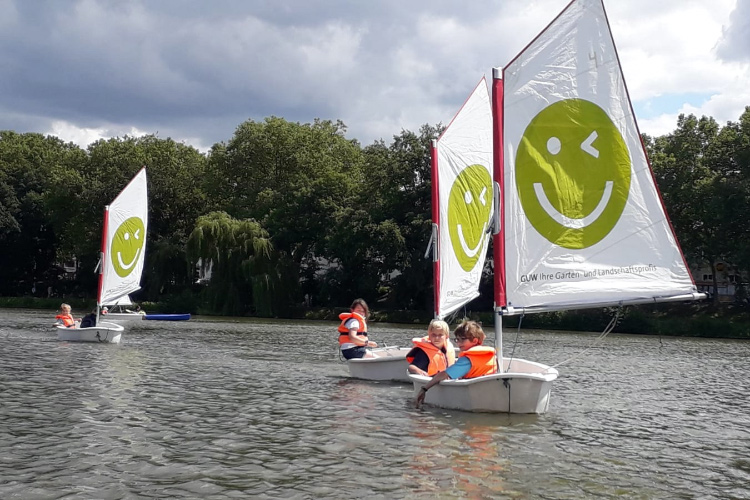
x,y
389,364
121,261
120,311
579,222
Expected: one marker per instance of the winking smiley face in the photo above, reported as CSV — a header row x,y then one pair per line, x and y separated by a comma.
x,y
469,208
573,173
127,246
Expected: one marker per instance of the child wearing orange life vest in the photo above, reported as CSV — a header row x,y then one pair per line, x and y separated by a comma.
x,y
353,340
474,360
433,353
65,318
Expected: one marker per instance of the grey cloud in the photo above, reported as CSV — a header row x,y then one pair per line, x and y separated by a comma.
x,y
735,41
190,69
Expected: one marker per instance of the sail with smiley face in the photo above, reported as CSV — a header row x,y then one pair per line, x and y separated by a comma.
x,y
462,201
124,241
584,224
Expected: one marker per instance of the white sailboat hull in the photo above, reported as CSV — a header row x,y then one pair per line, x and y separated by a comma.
x,y
524,388
104,332
389,364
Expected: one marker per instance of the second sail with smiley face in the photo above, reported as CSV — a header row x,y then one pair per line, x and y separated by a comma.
x,y
463,201
124,248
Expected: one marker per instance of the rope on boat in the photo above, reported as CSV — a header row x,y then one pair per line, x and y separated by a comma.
x,y
389,348
607,330
513,350
100,339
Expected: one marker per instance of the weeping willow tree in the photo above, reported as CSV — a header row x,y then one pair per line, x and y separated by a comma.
x,y
242,263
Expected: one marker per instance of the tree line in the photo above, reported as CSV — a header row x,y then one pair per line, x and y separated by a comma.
x,y
290,213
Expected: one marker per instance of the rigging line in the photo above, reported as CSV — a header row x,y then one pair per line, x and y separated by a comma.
x,y
341,356
515,342
452,317
607,330
387,348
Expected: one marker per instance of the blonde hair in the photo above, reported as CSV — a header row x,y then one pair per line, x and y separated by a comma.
x,y
439,325
470,330
64,306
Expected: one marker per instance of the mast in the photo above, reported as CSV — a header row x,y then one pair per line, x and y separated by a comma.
x,y
435,238
498,241
102,263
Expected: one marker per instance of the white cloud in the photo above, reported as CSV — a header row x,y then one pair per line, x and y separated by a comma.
x,y
82,136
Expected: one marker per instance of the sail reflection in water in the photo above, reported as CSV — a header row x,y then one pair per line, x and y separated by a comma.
x,y
472,454
226,409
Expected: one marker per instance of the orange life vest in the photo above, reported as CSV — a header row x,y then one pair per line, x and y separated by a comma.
x,y
344,331
67,319
439,360
483,361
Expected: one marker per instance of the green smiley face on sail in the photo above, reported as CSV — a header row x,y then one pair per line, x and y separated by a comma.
x,y
127,246
573,173
469,208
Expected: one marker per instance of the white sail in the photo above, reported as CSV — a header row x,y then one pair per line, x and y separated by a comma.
x,y
124,242
124,301
464,167
584,223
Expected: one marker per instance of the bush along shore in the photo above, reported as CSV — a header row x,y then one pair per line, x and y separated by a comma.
x,y
682,320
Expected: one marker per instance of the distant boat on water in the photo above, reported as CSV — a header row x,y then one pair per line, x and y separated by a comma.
x,y
121,262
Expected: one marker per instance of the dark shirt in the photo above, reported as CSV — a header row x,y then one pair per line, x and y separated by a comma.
x,y
88,320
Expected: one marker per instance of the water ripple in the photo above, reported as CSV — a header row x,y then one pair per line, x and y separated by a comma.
x,y
238,409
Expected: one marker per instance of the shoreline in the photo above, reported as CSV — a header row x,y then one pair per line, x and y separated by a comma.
x,y
675,320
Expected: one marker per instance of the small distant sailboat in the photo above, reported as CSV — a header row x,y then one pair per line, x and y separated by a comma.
x,y
120,311
583,225
122,257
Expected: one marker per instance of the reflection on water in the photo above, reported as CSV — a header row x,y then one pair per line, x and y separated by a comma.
x,y
238,409
467,461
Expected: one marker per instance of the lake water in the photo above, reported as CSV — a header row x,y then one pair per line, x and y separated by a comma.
x,y
265,409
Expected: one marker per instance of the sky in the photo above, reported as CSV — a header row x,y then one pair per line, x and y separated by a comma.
x,y
194,70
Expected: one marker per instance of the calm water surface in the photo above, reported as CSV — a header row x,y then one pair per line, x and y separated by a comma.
x,y
265,409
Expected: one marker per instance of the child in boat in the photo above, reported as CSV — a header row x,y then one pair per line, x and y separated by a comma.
x,y
473,361
137,310
65,318
433,353
89,320
353,340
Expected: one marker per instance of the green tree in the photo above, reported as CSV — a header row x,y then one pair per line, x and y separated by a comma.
x,y
399,182
729,158
239,255
684,164
176,200
32,196
295,179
